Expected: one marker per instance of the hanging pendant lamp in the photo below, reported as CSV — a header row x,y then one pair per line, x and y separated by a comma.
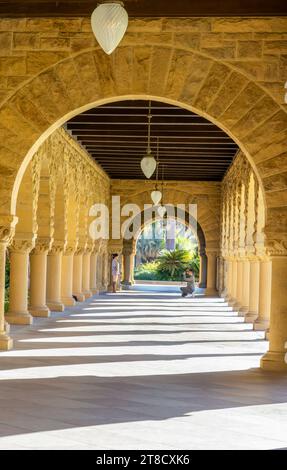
x,y
148,163
156,195
162,209
109,24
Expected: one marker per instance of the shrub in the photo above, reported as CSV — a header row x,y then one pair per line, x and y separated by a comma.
x,y
170,266
173,263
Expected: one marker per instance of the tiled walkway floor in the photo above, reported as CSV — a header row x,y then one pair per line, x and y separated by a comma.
x,y
140,370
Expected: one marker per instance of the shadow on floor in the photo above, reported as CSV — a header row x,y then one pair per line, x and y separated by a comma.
x,y
37,405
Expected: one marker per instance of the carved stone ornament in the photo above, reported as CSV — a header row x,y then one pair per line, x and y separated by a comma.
x,y
58,247
22,245
7,228
276,247
42,245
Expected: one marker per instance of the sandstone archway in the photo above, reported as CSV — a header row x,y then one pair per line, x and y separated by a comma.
x,y
189,79
212,87
137,224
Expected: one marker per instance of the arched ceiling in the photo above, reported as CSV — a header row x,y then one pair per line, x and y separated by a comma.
x,y
190,147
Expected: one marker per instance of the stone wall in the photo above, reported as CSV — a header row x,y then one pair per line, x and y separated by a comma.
x,y
255,46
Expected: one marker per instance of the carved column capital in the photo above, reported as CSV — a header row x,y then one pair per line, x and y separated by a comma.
x,y
22,243
7,228
71,247
80,250
276,247
42,245
58,247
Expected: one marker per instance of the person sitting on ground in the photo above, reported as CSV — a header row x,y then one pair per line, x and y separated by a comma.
x,y
190,285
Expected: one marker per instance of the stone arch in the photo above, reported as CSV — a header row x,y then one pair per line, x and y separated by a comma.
x,y
186,219
183,77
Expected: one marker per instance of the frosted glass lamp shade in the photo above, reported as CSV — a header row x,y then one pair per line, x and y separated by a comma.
x,y
148,165
161,211
156,197
109,24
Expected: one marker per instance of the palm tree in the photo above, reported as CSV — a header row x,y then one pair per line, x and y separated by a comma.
x,y
173,263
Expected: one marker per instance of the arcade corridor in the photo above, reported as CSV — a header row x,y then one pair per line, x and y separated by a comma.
x,y
135,369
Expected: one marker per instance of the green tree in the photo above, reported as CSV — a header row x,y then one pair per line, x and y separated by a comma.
x,y
174,263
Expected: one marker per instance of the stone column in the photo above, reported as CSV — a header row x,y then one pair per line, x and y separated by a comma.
x,y
38,279
67,276
6,342
252,313
86,274
233,298
18,313
221,277
239,284
99,272
203,269
276,358
93,273
245,288
54,267
265,280
106,271
128,261
78,275
211,272
229,281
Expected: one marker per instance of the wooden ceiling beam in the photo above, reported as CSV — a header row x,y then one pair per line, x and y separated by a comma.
x,y
145,8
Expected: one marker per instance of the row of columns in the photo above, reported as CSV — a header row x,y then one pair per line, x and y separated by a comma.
x,y
57,274
247,287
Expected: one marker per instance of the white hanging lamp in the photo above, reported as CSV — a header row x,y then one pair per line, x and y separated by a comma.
x,y
162,210
109,24
156,195
148,163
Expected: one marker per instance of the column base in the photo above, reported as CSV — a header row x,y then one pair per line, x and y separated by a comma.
x,y
232,302
267,334
250,317
95,291
80,297
39,311
19,318
223,294
236,306
68,301
243,311
261,325
211,291
88,294
56,306
6,342
274,361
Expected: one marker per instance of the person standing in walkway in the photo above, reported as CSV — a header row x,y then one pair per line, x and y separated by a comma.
x,y
190,284
115,271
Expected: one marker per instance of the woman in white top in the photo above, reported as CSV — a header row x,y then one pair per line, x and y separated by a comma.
x,y
115,271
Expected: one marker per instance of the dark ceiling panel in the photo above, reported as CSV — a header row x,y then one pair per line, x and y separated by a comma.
x,y
146,8
190,147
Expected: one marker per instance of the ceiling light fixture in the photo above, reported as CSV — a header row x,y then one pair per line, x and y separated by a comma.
x,y
156,195
109,24
148,163
162,210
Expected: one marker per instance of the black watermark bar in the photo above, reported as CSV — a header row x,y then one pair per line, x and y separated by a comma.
x,y
196,459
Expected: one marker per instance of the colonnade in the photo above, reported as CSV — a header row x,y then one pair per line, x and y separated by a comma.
x,y
246,265
42,280
53,259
